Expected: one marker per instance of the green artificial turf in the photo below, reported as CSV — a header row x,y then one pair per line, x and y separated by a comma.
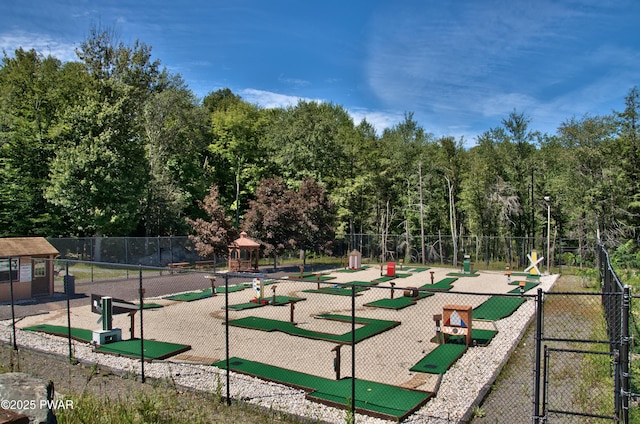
x,y
440,359
473,273
383,279
369,327
340,290
403,274
479,337
151,306
417,269
79,334
398,302
497,307
442,285
372,398
191,296
233,288
527,286
280,300
153,349
526,274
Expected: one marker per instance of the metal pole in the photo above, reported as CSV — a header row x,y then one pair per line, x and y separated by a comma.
x,y
141,291
538,351
548,236
13,312
353,350
624,356
226,329
67,288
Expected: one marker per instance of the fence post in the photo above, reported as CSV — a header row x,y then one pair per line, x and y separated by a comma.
x,y
13,311
537,376
68,290
226,330
624,356
141,291
353,351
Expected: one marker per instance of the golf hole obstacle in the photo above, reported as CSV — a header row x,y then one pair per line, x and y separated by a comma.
x,y
456,321
108,306
107,334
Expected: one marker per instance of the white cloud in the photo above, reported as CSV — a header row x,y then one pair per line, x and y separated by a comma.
x,y
42,43
269,99
379,120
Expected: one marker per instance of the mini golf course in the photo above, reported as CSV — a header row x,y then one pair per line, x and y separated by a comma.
x,y
153,349
370,327
372,398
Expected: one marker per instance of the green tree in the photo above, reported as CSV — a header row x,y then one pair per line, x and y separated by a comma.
x,y
100,173
31,94
629,140
237,131
175,130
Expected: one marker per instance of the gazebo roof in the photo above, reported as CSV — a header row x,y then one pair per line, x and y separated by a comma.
x,y
244,242
26,246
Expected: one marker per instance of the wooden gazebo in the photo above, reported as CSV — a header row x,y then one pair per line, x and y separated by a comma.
x,y
244,254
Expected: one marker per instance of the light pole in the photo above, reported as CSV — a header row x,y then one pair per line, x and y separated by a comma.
x,y
547,199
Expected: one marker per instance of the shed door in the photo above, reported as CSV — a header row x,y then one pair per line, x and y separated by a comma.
x,y
40,278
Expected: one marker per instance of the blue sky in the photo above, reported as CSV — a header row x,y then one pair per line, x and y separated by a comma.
x,y
461,66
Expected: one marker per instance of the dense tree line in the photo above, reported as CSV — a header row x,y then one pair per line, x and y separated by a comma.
x,y
113,144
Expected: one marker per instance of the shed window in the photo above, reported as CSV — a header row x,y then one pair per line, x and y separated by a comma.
x,y
4,270
39,267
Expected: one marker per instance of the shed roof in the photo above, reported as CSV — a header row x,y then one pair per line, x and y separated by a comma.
x,y
26,246
244,241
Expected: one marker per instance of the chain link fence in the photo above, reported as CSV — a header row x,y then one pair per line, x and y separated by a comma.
x,y
365,344
484,252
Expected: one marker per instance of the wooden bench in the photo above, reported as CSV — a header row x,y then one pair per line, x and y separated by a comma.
x,y
178,265
204,264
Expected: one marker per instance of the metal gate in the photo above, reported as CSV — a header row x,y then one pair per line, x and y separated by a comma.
x,y
581,364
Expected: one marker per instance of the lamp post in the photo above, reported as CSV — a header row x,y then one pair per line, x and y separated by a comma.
x,y
547,199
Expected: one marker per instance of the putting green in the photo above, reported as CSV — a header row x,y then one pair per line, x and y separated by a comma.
x,y
398,302
312,277
371,398
440,359
280,300
442,285
497,307
473,273
233,288
527,286
417,269
191,296
384,279
153,349
403,274
340,290
369,327
359,283
79,334
478,336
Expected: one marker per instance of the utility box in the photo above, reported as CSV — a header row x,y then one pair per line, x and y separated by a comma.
x,y
103,337
391,269
466,265
69,284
